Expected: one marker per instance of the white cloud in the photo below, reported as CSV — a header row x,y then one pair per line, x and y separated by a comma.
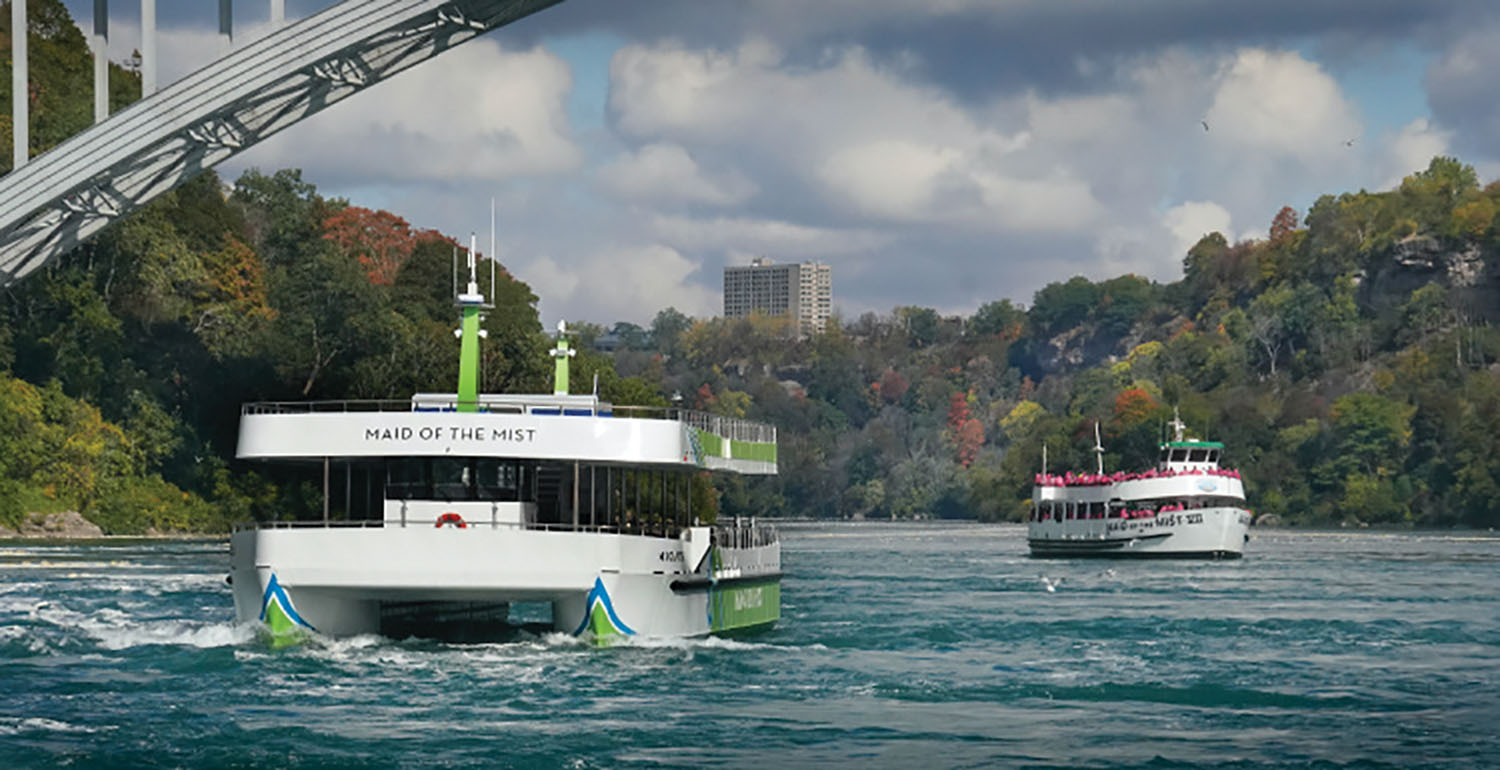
x,y
485,114
625,284
1278,101
666,172
1189,222
1412,149
866,138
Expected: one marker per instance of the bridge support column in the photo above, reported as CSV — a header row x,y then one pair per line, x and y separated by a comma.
x,y
148,48
101,60
20,94
278,13
226,26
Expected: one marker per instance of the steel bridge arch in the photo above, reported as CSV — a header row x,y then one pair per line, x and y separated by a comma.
x,y
61,198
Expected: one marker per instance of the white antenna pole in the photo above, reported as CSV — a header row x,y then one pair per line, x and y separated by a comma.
x,y
473,280
1098,450
1044,462
455,270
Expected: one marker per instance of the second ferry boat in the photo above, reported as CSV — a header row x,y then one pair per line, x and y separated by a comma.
x,y
463,503
1186,507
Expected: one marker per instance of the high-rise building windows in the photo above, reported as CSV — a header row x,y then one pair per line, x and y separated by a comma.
x,y
801,291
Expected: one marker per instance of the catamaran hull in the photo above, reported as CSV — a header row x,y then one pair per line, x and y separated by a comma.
x,y
404,581
1203,533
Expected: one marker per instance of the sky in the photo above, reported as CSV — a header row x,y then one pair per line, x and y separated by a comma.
x,y
941,153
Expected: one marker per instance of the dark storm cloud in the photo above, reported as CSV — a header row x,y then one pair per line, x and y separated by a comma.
x,y
1461,91
978,49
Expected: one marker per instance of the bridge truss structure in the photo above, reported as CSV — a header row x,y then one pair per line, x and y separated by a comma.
x,y
63,197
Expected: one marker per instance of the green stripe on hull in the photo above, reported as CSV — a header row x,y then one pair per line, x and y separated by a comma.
x,y
601,631
281,630
745,606
752,450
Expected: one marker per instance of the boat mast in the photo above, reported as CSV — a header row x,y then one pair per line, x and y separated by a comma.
x,y
1098,450
1177,424
470,304
562,353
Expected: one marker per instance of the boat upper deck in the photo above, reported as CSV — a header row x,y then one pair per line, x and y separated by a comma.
x,y
541,427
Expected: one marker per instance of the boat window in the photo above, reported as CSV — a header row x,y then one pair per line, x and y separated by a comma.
x,y
499,480
1213,455
452,480
407,480
1179,455
1198,456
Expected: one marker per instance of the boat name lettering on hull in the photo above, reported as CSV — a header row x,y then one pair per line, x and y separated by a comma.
x,y
749,599
452,433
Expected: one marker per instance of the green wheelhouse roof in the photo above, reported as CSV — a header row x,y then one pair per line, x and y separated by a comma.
x,y
1193,445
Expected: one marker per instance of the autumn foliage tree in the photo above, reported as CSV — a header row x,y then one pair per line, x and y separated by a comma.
x,y
378,239
964,430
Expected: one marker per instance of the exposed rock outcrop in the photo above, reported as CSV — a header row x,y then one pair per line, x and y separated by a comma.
x,y
65,525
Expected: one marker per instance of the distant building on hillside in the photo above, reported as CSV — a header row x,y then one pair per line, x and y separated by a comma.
x,y
801,291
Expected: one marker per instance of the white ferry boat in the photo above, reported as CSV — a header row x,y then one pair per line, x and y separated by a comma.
x,y
1185,507
461,504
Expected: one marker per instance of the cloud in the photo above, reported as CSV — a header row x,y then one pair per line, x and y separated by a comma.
x,y
862,137
779,239
1189,222
1412,149
483,114
666,172
1279,102
1461,90
625,284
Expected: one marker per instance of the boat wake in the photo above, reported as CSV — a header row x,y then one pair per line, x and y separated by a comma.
x,y
115,629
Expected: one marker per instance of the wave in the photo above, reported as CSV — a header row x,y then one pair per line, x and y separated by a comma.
x,y
115,629
18,725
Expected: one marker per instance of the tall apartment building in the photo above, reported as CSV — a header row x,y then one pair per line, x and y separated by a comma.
x,y
801,291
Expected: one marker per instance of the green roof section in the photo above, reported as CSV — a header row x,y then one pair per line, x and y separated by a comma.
x,y
1194,445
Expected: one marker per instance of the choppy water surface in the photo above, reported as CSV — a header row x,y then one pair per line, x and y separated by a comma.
x,y
900,645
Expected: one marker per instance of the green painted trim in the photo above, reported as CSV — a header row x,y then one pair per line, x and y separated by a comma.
x,y
752,450
711,443
281,630
560,370
744,606
1193,445
468,361
602,632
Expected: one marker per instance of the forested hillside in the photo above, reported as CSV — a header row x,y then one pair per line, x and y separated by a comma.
x,y
1348,358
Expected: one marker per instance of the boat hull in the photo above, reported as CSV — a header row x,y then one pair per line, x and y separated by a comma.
x,y
407,581
1203,533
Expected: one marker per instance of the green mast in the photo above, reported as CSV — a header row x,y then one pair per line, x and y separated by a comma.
x,y
471,303
562,353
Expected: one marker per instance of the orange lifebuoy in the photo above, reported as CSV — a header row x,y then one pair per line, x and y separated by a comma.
x,y
451,518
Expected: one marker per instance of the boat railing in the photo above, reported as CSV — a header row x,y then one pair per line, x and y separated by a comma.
x,y
733,428
751,536
477,524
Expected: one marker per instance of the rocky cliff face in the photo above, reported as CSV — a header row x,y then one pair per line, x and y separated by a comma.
x,y
1417,260
68,524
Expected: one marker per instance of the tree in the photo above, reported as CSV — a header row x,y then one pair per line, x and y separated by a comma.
x,y
667,328
379,240
1283,225
1061,306
1000,318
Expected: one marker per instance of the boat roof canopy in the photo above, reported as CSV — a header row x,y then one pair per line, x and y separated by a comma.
x,y
1193,445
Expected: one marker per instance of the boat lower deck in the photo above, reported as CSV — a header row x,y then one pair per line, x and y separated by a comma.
x,y
1204,533
446,582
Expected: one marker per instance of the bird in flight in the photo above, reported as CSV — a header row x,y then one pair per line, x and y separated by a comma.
x,y
1205,124
1349,142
